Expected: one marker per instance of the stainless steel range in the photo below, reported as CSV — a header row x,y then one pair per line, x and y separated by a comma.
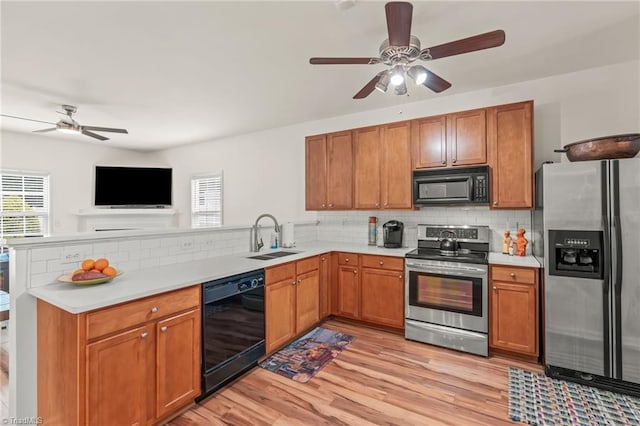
x,y
446,287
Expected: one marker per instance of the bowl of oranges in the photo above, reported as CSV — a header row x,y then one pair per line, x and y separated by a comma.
x,y
91,272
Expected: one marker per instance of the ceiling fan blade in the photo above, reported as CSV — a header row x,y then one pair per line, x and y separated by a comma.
x,y
94,135
28,119
435,82
45,130
104,129
368,88
344,61
399,22
465,45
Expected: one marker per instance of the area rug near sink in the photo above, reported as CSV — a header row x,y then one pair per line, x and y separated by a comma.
x,y
540,400
305,357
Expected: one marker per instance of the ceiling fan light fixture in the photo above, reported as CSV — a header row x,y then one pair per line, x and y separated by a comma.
x,y
397,75
383,83
418,73
401,89
68,128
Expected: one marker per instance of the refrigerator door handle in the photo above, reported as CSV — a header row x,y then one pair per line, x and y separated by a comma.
x,y
617,285
606,284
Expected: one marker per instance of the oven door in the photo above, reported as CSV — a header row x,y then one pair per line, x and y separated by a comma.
x,y
447,293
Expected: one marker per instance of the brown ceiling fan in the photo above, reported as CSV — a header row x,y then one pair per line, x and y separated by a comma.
x,y
402,49
69,125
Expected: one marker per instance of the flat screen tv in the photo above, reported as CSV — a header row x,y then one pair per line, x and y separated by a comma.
x,y
122,187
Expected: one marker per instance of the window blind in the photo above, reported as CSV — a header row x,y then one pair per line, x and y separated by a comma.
x,y
206,200
25,205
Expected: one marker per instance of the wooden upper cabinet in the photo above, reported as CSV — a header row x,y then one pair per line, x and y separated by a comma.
x,y
396,166
316,172
366,160
510,146
429,140
467,138
339,170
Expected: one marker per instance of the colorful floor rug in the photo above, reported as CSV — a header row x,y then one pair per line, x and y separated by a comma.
x,y
540,400
304,358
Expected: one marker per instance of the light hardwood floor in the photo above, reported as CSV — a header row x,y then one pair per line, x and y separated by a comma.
x,y
381,379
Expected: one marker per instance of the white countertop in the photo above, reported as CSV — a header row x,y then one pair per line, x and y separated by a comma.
x,y
146,282
505,259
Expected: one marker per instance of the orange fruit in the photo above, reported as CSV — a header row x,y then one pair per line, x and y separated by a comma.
x,y
110,271
101,264
78,271
87,264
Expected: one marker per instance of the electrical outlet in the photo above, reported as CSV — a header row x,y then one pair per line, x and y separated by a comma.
x,y
209,243
186,244
71,257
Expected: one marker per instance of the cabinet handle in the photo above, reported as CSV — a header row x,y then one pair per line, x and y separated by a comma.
x,y
513,274
144,335
355,271
163,328
381,262
154,309
495,203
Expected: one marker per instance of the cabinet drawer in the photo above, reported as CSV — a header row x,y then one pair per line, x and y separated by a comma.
x,y
383,262
121,317
307,265
513,274
279,273
348,259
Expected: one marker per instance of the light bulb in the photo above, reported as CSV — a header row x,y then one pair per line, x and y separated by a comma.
x,y
418,73
397,75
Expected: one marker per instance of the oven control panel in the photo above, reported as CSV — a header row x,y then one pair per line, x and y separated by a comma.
x,y
468,233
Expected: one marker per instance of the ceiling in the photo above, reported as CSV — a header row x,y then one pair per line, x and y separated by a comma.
x,y
181,72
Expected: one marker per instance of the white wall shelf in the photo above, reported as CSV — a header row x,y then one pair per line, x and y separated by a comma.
x,y
126,219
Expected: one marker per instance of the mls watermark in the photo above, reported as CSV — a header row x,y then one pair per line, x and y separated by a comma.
x,y
22,421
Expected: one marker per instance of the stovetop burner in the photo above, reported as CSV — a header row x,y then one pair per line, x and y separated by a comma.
x,y
466,256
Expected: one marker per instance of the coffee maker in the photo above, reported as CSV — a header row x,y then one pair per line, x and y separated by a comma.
x,y
392,234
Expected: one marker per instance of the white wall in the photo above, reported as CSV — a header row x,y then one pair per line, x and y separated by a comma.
x,y
264,171
70,164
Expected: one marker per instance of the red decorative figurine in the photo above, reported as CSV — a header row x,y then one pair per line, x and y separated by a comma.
x,y
521,243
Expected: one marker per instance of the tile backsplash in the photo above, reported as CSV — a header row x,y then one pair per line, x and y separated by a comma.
x,y
352,226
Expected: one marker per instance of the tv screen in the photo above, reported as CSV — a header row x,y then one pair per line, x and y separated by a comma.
x,y
132,186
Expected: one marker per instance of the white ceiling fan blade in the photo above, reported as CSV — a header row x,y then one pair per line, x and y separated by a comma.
x,y
28,119
94,135
105,129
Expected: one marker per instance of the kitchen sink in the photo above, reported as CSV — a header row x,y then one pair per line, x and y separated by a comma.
x,y
273,255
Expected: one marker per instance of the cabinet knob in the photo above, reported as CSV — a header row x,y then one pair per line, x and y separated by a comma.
x,y
323,259
299,281
324,205
144,335
386,204
495,288
513,274
400,276
154,309
454,160
330,205
163,328
381,262
355,271
347,259
293,283
495,203
444,161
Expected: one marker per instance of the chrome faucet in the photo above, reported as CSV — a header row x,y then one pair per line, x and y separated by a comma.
x,y
255,244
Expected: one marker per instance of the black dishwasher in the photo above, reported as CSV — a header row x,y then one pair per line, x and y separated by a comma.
x,y
232,328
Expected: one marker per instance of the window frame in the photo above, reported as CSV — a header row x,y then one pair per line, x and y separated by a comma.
x,y
43,214
205,213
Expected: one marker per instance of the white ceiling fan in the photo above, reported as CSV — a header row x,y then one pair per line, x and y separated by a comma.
x,y
69,125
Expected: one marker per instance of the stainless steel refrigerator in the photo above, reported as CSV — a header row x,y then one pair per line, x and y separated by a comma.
x,y
591,222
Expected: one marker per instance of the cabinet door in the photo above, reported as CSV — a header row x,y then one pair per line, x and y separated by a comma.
x,y
366,174
307,301
177,361
382,299
325,277
340,171
514,317
467,138
396,166
509,138
279,313
118,383
316,172
348,294
430,142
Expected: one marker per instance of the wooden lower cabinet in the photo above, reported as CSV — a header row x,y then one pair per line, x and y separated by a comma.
x,y
383,297
93,372
292,300
514,310
348,291
325,285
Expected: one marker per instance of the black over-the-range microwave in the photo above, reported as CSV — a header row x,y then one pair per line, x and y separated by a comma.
x,y
452,186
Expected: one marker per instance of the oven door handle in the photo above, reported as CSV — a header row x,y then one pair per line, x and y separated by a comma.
x,y
473,272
